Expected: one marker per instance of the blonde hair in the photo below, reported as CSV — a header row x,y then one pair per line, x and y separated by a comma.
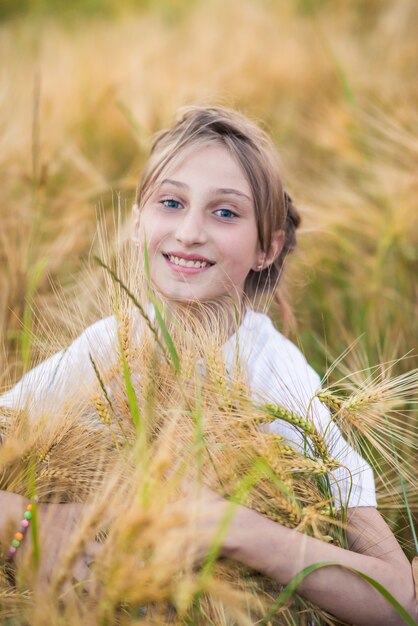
x,y
255,152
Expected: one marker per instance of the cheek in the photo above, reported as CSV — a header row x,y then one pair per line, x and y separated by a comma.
x,y
151,232
241,250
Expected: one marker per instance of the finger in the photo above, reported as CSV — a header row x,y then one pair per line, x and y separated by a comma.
x,y
93,549
81,572
82,580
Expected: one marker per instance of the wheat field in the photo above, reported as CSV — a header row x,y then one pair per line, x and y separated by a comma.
x,y
83,89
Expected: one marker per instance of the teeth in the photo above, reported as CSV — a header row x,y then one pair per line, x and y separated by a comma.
x,y
179,261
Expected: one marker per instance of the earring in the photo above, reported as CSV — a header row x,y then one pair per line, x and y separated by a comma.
x,y
258,268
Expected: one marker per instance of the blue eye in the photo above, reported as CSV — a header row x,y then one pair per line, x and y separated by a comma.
x,y
172,204
227,213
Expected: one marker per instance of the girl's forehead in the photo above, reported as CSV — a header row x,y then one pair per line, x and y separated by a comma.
x,y
210,161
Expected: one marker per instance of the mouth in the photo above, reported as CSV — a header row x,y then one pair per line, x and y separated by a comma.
x,y
188,263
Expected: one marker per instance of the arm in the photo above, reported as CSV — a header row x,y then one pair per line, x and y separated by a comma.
x,y
39,392
11,507
281,553
56,523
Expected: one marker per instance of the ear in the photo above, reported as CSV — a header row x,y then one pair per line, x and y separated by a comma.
x,y
135,224
264,260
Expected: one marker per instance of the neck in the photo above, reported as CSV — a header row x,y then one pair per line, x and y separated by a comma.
x,y
222,315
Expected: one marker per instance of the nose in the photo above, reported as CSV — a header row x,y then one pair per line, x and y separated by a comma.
x,y
191,230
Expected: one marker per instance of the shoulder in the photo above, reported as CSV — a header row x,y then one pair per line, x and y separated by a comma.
x,y
263,331
103,327
277,370
280,373
100,336
66,370
275,354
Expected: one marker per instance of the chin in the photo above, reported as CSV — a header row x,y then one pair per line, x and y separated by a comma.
x,y
177,297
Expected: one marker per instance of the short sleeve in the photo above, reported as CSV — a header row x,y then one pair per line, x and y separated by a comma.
x,y
66,372
279,373
353,482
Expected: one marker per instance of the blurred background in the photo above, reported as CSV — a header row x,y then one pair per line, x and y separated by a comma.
x,y
83,85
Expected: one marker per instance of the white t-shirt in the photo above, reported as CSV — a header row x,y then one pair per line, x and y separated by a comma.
x,y
279,373
276,372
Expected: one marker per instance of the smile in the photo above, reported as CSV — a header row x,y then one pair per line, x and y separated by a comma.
x,y
189,265
185,263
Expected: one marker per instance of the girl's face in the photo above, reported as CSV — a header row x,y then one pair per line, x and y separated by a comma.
x,y
200,228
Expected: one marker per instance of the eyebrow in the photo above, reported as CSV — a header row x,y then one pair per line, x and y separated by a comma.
x,y
224,190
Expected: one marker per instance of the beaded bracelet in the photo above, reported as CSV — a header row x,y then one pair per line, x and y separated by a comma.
x,y
20,535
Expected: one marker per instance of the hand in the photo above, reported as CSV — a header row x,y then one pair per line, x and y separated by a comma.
x,y
56,523
214,520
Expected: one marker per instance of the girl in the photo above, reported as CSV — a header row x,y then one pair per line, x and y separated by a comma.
x,y
218,226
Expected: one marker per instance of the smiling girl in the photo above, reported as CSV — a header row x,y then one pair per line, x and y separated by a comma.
x,y
218,226
201,228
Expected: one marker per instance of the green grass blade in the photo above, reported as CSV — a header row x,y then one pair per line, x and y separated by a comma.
x,y
34,525
158,315
292,586
146,264
101,383
259,469
131,395
290,589
402,484
34,529
238,497
131,296
166,335
117,280
403,613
